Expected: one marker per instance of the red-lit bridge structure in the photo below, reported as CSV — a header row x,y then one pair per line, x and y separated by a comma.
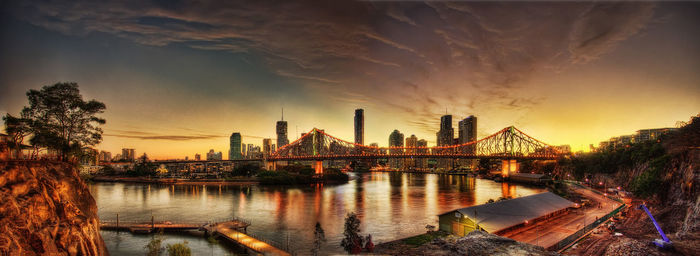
x,y
507,144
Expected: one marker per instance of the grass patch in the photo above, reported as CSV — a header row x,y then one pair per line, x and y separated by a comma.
x,y
423,238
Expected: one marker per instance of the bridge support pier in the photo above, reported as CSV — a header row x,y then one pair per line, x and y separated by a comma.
x,y
508,166
318,166
270,165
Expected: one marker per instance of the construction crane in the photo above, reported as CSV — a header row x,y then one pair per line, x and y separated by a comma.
x,y
663,243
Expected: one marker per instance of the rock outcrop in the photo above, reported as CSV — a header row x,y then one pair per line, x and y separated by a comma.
x,y
46,209
474,243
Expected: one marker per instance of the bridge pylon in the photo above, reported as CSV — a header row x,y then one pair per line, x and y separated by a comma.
x,y
318,167
509,166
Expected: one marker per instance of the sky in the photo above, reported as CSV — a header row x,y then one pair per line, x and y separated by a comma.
x,y
178,77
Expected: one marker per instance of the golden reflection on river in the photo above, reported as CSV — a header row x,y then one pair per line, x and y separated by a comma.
x,y
390,206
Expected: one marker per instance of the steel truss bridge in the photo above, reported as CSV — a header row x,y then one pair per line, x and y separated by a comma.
x,y
507,144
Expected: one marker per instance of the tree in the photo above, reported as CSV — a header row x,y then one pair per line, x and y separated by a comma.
x,y
352,241
179,249
17,128
319,239
60,119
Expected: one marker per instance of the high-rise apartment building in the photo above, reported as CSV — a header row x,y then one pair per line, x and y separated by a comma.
x,y
267,147
467,129
282,132
128,154
395,140
211,155
105,156
235,146
197,157
411,143
359,126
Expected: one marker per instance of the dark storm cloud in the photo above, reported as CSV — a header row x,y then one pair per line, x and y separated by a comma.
x,y
418,58
194,135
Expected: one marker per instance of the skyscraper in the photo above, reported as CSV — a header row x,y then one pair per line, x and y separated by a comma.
x,y
445,137
282,132
235,146
411,142
467,129
446,134
128,154
359,126
267,147
395,140
467,133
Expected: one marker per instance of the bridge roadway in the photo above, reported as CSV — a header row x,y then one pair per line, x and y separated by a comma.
x,y
412,155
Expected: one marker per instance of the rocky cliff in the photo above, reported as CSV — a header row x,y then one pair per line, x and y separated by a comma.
x,y
46,209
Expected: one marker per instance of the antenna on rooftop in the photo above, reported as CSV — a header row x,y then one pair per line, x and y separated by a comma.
x,y
282,113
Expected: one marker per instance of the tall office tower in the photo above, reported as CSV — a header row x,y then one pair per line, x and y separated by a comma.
x,y
395,140
359,126
445,137
446,134
467,133
235,146
128,154
267,146
467,129
243,150
411,142
197,157
282,132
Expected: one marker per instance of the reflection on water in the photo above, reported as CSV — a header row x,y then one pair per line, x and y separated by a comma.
x,y
390,205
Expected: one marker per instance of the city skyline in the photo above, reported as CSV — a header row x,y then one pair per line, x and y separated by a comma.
x,y
179,79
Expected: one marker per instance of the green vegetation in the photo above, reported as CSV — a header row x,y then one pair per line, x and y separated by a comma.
x,y
303,176
57,119
352,241
648,183
423,238
319,239
154,246
652,158
179,249
247,170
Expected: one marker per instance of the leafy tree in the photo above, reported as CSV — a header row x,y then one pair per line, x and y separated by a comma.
x,y
246,170
154,246
144,167
17,128
352,241
319,239
179,249
61,120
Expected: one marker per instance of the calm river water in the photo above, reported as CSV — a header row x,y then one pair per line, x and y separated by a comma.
x,y
390,206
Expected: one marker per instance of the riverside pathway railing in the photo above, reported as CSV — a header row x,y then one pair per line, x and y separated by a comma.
x,y
571,239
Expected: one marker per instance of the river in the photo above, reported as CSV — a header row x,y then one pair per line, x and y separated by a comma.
x,y
390,206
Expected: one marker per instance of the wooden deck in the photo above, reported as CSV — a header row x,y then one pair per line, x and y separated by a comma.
x,y
231,231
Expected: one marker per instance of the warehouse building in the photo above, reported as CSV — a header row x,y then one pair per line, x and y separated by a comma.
x,y
503,216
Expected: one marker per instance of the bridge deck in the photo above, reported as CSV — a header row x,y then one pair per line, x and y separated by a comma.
x,y
230,232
